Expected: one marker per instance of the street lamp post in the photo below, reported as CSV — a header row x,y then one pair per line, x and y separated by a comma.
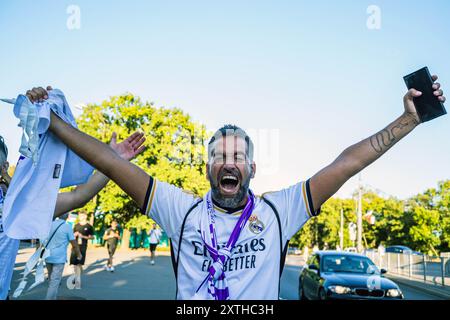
x,y
359,217
341,234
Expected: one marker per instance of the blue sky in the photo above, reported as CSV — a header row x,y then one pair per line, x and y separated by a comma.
x,y
312,72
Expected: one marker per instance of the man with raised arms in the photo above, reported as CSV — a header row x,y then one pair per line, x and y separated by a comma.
x,y
230,243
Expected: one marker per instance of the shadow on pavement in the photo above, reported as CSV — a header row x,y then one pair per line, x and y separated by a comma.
x,y
134,278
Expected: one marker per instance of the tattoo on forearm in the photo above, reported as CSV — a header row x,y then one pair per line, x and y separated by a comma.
x,y
384,139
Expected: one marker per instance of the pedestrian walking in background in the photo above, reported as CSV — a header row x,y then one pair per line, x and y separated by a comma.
x,y
154,238
112,237
83,232
61,235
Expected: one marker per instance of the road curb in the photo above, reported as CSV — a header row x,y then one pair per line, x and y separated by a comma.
x,y
441,293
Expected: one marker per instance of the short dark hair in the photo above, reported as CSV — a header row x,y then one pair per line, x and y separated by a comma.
x,y
231,130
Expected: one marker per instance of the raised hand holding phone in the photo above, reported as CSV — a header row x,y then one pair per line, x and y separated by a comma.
x,y
424,96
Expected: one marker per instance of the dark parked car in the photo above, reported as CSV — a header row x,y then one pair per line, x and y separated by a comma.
x,y
401,249
344,275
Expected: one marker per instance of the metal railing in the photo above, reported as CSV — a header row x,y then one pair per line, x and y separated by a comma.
x,y
435,270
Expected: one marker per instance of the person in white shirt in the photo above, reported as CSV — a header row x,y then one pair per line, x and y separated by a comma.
x,y
66,201
45,166
154,236
231,244
61,234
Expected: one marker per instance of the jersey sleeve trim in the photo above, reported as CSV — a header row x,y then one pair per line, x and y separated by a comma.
x,y
149,196
308,200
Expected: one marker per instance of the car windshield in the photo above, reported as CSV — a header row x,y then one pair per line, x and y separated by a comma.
x,y
346,263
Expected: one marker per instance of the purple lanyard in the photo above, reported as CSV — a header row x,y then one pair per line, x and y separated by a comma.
x,y
237,228
220,256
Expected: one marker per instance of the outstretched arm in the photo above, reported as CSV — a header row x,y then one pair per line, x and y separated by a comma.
x,y
129,177
327,181
127,149
81,195
132,179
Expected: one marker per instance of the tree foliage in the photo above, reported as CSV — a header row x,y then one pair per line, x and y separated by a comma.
x,y
421,222
175,150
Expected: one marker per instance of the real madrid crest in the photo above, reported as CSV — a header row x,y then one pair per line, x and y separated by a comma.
x,y
255,225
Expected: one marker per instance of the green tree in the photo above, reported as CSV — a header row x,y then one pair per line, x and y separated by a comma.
x,y
431,214
423,232
140,222
175,150
443,205
391,221
325,228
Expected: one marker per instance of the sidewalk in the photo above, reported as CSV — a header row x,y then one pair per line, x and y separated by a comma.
x,y
437,290
134,278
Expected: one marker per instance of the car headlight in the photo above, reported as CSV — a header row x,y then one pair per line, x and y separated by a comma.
x,y
393,293
339,289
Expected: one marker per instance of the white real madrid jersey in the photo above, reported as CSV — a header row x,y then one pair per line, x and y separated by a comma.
x,y
30,203
253,270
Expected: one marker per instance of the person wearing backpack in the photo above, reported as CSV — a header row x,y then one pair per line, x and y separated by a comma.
x,y
61,234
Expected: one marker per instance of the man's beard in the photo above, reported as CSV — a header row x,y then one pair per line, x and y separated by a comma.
x,y
230,202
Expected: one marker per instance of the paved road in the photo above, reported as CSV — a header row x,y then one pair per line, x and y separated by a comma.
x,y
134,278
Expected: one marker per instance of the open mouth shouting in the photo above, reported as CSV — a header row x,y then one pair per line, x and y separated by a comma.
x,y
229,184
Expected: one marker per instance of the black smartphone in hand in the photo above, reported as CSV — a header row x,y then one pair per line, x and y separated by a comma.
x,y
428,106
